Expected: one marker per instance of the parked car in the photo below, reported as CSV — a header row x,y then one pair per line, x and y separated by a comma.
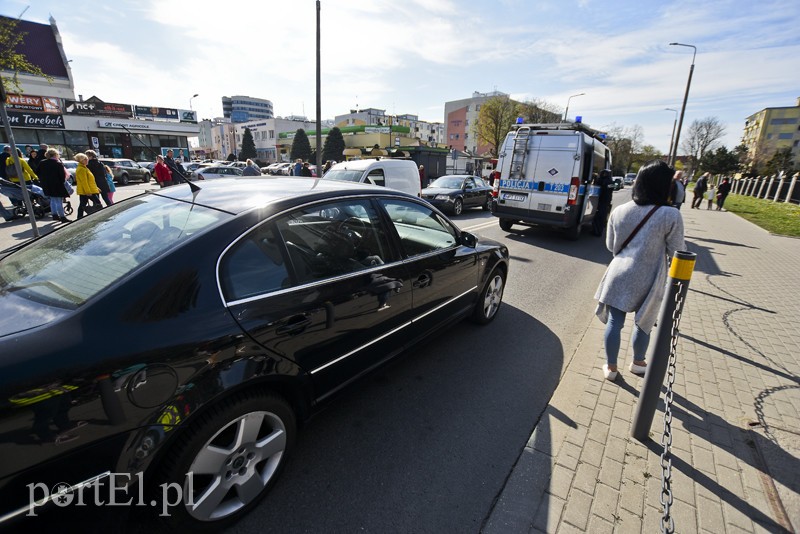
x,y
452,193
283,169
234,307
237,164
193,166
400,174
71,165
629,178
125,170
221,171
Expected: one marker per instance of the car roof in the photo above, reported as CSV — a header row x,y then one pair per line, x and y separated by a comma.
x,y
237,195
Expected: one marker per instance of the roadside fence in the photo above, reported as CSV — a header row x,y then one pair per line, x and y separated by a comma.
x,y
778,187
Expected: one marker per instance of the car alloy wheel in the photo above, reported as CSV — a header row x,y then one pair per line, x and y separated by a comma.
x,y
234,454
490,299
458,206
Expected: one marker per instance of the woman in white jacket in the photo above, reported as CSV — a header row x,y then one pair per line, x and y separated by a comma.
x,y
635,279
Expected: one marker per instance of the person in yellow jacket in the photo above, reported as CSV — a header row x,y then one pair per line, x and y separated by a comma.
x,y
86,187
11,171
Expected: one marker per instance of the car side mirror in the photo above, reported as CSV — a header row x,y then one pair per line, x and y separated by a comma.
x,y
468,240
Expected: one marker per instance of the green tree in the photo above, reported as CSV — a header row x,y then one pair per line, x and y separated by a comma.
x,y
248,150
301,146
780,161
11,60
494,121
334,146
719,161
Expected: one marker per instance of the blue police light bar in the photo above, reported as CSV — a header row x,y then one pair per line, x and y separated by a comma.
x,y
602,136
579,119
519,120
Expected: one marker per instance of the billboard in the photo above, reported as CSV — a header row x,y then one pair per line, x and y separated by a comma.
x,y
151,112
99,109
187,115
39,104
31,111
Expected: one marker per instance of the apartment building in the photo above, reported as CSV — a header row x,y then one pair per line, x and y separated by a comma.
x,y
773,129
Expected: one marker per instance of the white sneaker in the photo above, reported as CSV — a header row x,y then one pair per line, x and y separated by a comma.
x,y
610,375
637,369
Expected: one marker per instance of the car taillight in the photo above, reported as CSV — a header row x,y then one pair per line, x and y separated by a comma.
x,y
496,187
574,184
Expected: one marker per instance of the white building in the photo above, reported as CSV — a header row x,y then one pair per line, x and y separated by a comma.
x,y
266,132
240,108
429,133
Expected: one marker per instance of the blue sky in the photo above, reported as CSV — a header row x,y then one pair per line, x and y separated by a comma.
x,y
413,56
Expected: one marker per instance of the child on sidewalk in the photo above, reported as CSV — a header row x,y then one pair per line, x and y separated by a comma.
x,y
710,194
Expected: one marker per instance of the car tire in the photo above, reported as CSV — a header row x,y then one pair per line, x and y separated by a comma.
x,y
218,444
458,206
146,178
485,206
490,298
123,179
506,224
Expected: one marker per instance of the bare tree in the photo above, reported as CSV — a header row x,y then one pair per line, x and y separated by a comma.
x,y
703,135
624,143
538,110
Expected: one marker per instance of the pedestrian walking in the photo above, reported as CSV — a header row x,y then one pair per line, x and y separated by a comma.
x,y
326,167
700,187
722,192
298,167
3,160
422,177
711,196
110,181
178,172
33,161
305,171
11,169
606,184
641,235
99,172
251,169
86,187
677,190
163,174
53,177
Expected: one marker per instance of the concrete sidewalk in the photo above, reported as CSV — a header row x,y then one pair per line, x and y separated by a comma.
x,y
736,430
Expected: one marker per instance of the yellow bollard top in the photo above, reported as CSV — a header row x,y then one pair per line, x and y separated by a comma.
x,y
682,265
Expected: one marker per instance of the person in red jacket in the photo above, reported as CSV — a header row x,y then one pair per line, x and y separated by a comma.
x,y
163,174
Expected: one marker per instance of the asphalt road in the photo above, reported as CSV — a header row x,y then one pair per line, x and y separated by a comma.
x,y
426,443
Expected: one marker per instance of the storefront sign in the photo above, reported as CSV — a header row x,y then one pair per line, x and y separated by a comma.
x,y
102,109
23,119
377,129
39,104
119,124
156,113
187,115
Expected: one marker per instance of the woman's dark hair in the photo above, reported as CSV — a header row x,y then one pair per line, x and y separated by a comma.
x,y
653,183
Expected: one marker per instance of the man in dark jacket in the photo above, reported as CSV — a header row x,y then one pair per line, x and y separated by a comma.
x,y
606,184
99,173
178,172
700,188
3,157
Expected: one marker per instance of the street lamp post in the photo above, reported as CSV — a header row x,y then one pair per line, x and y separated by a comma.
x,y
671,137
567,110
674,153
190,101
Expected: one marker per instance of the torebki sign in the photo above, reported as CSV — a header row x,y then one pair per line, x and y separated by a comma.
x,y
31,111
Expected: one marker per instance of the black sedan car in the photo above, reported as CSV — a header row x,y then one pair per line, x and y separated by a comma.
x,y
164,349
453,193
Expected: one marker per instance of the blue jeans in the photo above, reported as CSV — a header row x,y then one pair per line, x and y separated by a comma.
x,y
57,206
641,339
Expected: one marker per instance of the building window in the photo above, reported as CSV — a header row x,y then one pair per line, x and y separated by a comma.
x,y
785,136
776,122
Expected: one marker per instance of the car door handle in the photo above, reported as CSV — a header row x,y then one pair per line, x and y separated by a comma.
x,y
424,280
294,325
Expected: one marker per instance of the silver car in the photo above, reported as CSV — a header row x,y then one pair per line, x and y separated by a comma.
x,y
220,171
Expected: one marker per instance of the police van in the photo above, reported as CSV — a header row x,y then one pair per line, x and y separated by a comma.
x,y
547,175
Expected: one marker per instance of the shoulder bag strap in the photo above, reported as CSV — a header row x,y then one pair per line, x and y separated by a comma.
x,y
636,230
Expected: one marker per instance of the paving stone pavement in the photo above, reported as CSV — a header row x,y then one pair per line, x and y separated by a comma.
x,y
736,430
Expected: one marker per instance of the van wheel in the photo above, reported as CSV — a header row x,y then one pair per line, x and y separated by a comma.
x,y
574,233
506,224
458,206
235,453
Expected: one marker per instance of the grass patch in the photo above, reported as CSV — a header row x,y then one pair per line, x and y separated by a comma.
x,y
776,217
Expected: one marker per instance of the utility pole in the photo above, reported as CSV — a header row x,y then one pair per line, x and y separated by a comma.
x,y
319,102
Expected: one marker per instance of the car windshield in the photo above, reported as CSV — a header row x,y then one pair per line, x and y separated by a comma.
x,y
448,182
343,175
72,265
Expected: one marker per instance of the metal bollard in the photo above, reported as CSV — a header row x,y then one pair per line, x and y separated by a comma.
x,y
680,272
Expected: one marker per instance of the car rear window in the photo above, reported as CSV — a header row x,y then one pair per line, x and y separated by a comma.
x,y
70,266
343,175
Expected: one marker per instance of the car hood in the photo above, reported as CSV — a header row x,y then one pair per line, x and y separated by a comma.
x,y
18,314
439,191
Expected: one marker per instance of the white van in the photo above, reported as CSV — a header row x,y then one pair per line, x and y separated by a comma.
x,y
400,174
547,174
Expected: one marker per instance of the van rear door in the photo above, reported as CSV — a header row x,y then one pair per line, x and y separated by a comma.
x,y
555,166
